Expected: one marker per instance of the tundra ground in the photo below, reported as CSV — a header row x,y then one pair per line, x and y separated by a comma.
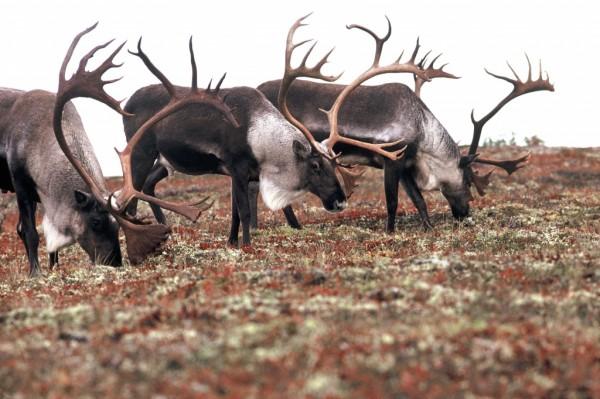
x,y
504,304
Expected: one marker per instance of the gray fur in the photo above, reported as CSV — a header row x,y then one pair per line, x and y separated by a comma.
x,y
270,138
30,152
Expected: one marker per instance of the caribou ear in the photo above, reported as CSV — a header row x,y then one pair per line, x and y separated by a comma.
x,y
83,200
300,150
467,160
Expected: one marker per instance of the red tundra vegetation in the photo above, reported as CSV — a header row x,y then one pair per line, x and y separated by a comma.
x,y
503,304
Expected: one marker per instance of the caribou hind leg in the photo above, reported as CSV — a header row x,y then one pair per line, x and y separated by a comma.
x,y
253,189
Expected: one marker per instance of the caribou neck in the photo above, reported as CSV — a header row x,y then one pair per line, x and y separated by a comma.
x,y
437,157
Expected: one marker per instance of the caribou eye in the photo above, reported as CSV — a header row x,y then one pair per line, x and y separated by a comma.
x,y
315,165
96,224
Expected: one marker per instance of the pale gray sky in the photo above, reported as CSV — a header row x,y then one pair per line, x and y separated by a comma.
x,y
246,39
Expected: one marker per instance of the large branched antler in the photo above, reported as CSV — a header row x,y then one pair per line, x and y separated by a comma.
x,y
519,88
430,70
302,70
348,176
142,239
177,102
375,70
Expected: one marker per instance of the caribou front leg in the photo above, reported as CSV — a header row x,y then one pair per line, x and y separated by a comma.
x,y
390,176
240,186
410,186
240,205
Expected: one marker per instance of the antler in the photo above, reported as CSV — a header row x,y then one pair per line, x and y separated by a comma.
x,y
374,70
291,74
177,101
348,177
90,84
519,88
431,71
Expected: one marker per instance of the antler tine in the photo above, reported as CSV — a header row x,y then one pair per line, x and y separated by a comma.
x,y
218,86
194,66
89,83
519,88
303,70
430,70
509,165
67,59
155,71
421,63
90,54
413,57
379,41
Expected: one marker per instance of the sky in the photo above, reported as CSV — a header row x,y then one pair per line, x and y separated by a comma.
x,y
246,39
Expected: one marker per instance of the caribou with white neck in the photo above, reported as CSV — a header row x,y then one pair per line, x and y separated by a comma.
x,y
394,112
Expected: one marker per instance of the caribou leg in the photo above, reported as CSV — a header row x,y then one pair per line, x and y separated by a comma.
x,y
390,179
240,187
53,259
288,211
157,173
240,211
235,218
292,221
410,186
253,189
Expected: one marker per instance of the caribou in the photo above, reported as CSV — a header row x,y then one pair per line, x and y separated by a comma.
x,y
394,112
142,238
270,147
33,166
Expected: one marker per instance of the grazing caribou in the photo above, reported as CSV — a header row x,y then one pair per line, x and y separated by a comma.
x,y
393,112
33,166
270,147
142,238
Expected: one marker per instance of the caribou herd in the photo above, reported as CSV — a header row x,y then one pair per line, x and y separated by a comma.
x,y
283,139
